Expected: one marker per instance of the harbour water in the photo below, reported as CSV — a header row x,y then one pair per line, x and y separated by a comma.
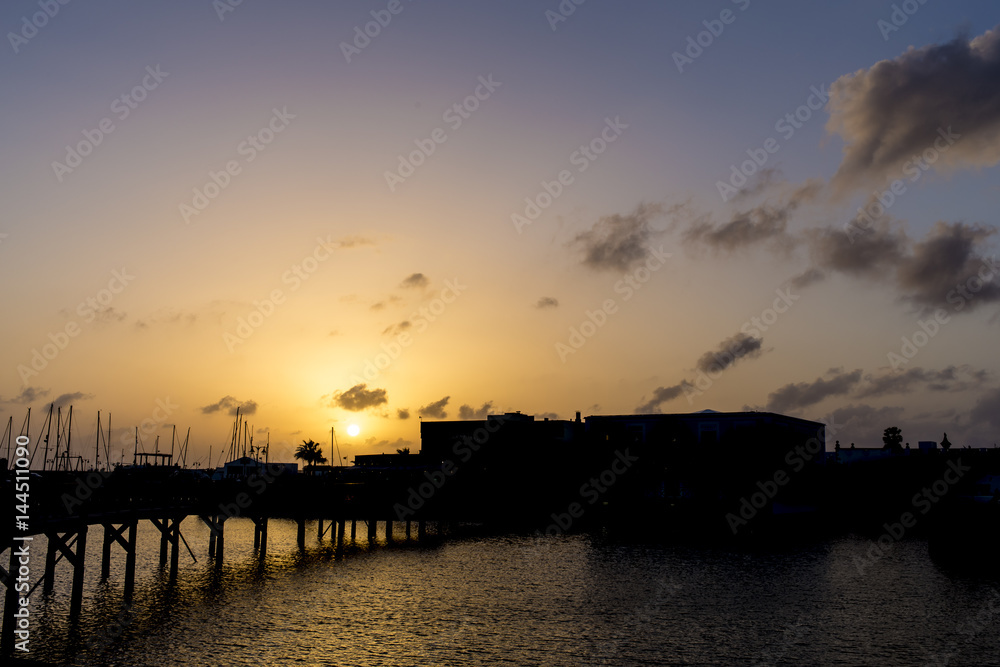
x,y
525,600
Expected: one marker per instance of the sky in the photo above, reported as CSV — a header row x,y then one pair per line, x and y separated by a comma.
x,y
372,213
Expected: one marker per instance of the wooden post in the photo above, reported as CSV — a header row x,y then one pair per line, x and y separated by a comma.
x,y
130,561
302,535
421,530
263,538
407,530
319,530
106,552
9,606
372,527
388,530
354,531
175,544
50,562
164,540
76,596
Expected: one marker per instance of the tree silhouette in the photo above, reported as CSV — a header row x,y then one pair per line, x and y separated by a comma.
x,y
404,450
311,453
892,437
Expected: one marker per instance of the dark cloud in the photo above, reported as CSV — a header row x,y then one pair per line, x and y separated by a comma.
x,y
387,447
353,242
469,412
952,378
863,248
618,242
987,409
807,278
398,328
893,111
765,223
946,261
403,413
435,409
547,302
66,399
860,424
418,280
729,352
167,317
798,395
231,405
358,398
29,395
661,395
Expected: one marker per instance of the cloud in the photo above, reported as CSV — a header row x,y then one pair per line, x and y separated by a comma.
x,y
384,445
987,409
435,409
729,352
862,423
547,302
417,280
863,249
358,398
396,329
795,396
947,260
167,317
951,378
469,412
403,413
353,242
661,395
232,405
66,399
893,111
764,223
29,395
807,278
618,242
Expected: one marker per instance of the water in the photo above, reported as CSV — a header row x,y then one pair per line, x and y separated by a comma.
x,y
524,600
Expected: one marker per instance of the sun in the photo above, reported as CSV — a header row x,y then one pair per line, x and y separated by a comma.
x,y
353,430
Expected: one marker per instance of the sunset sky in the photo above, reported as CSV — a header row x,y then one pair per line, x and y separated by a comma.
x,y
534,206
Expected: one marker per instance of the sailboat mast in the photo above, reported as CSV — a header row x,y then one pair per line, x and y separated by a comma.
x,y
97,443
47,434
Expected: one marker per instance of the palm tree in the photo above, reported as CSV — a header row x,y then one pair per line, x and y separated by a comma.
x,y
311,453
404,450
